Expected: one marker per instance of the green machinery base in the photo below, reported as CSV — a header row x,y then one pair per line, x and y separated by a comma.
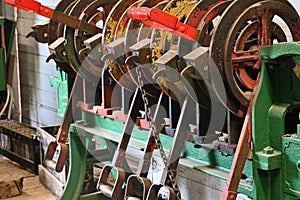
x,y
271,172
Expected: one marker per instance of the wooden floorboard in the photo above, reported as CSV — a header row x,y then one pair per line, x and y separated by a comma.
x,y
32,188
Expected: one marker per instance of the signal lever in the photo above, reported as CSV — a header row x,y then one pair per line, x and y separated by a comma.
x,y
38,8
159,19
62,137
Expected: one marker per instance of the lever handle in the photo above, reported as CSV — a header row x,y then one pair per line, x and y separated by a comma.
x,y
159,19
31,6
62,136
134,182
154,192
111,191
63,152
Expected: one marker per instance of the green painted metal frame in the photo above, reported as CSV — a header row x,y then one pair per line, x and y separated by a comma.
x,y
109,129
3,70
79,141
277,95
9,28
60,83
274,152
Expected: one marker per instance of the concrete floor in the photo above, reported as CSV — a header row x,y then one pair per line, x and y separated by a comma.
x,y
32,188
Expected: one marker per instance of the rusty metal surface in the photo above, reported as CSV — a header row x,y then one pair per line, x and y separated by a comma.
x,y
132,36
90,56
157,38
71,55
240,157
55,30
110,28
238,61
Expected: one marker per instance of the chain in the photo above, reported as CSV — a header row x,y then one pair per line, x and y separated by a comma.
x,y
154,133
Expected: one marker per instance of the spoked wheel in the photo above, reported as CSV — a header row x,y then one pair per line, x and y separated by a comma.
x,y
237,40
131,37
117,72
55,30
88,12
90,57
161,42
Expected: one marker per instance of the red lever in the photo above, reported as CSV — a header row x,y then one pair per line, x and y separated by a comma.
x,y
159,19
31,6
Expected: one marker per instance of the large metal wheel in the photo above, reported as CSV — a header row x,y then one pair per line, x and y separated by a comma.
x,y
110,29
161,43
236,42
90,57
55,30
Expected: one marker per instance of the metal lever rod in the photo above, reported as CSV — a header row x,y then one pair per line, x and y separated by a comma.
x,y
140,178
239,160
31,6
62,136
144,164
38,8
159,19
113,191
179,137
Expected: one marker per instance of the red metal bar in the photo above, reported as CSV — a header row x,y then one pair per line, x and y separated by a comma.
x,y
159,19
230,192
31,6
240,157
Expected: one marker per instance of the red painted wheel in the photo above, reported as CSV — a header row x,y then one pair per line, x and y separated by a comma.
x,y
236,42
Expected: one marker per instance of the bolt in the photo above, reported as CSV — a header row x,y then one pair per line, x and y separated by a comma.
x,y
297,69
268,150
181,29
249,180
205,68
232,197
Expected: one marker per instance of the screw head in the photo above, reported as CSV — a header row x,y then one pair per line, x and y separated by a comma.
x,y
268,150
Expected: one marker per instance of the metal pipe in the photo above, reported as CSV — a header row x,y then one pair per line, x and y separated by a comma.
x,y
20,112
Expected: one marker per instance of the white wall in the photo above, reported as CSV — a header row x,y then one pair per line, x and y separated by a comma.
x,y
38,99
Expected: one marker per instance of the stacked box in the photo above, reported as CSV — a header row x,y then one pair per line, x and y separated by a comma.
x,y
20,143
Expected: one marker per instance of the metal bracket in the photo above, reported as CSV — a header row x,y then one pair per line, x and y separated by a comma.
x,y
198,58
103,185
133,181
39,32
57,50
